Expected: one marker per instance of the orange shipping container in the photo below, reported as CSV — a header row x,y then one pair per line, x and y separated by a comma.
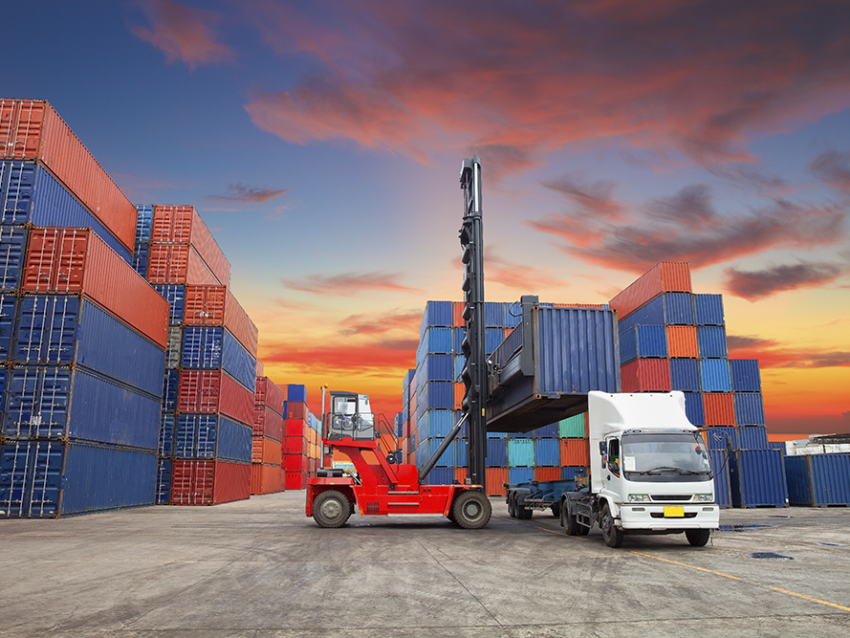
x,y
457,314
460,390
183,225
547,474
216,306
575,452
177,264
33,130
267,479
719,408
71,260
270,394
267,451
666,276
682,342
460,475
496,478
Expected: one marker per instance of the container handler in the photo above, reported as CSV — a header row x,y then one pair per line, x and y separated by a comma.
x,y
650,473
381,484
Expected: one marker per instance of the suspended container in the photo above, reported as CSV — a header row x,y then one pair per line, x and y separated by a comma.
x,y
818,480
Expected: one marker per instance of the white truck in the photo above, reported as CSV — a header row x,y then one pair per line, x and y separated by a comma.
x,y
650,473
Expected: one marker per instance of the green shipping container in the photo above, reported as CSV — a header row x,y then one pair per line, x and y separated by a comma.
x,y
572,428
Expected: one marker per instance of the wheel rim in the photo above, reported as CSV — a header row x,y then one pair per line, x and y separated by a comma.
x,y
473,511
331,508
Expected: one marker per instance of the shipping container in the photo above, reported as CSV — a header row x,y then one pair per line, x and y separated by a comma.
x,y
183,225
494,314
745,375
496,478
13,247
296,393
646,375
575,452
216,306
141,259
295,445
174,348
295,462
458,335
722,484
167,424
269,394
461,456
752,437
265,450
719,409
546,375
296,480
497,453
178,264
666,276
711,341
682,341
72,331
714,375
435,395
520,475
46,479
437,313
59,402
818,480
67,260
668,309
708,310
210,482
716,435
212,436
684,375
574,427
749,408
175,295
435,367
4,377
492,338
457,314
695,408
267,422
547,452
435,341
33,130
571,472
436,423
164,472
757,478
212,391
440,476
551,431
267,479
31,196
8,319
543,474
520,453
170,384
216,348
641,342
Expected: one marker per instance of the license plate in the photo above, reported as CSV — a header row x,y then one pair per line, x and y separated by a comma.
x,y
674,511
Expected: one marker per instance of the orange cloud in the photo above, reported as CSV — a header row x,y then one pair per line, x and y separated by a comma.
x,y
347,283
391,358
379,324
772,354
182,33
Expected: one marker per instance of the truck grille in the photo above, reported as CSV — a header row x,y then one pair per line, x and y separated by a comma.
x,y
671,497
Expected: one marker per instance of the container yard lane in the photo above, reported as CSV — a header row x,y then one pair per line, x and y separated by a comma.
x,y
260,568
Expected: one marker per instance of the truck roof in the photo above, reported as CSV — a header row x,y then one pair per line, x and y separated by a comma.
x,y
640,411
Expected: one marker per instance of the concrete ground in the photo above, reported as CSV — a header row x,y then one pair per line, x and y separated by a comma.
x,y
259,568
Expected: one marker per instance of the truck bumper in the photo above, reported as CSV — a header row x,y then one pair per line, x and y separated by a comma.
x,y
697,516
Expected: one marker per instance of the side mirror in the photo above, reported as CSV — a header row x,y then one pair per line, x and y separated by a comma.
x,y
729,444
614,467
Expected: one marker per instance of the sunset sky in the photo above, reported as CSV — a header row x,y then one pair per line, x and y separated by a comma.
x,y
322,141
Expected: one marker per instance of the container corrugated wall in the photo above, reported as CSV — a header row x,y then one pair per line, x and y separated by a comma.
x,y
745,375
183,225
646,375
719,409
818,480
749,408
758,479
684,375
709,310
211,391
722,485
664,277
714,375
711,341
643,342
682,341
210,482
13,245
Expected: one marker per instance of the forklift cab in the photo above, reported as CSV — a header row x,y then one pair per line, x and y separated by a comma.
x,y
350,417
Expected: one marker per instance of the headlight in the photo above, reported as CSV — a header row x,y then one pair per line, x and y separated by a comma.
x,y
638,498
703,498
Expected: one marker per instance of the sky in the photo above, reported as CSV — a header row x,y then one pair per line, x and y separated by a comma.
x,y
322,141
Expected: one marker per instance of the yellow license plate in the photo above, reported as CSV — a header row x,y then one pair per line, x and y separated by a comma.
x,y
674,512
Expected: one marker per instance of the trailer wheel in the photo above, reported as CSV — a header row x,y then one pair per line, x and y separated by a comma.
x,y
522,512
472,510
512,505
556,510
331,509
612,536
569,522
698,537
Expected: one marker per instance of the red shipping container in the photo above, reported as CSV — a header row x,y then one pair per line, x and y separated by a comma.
x,y
295,445
547,473
268,423
296,480
183,225
261,369
460,475
295,463
295,427
267,451
270,394
682,342
666,276
71,260
211,391
496,478
296,410
33,130
460,391
177,264
267,479
215,306
646,375
209,482
575,452
719,408
457,314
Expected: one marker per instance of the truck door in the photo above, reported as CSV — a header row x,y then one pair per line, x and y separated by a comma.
x,y
612,471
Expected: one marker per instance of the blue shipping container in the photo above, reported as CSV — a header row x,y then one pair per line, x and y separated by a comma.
x,y
745,375
170,383
722,485
141,259
818,480
643,342
714,375
749,408
757,478
670,308
435,367
66,330
436,423
440,476
461,452
547,452
752,437
520,475
57,402
175,295
695,409
29,194
167,425
551,431
494,314
497,452
164,473
711,342
716,437
435,341
8,319
212,436
684,375
708,310
492,338
36,476
435,395
206,348
569,473
144,223
520,453
13,246
437,313
296,393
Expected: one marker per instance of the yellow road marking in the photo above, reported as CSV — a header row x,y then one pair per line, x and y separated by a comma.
x,y
711,571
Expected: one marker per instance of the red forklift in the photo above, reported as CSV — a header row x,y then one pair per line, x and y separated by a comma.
x,y
384,485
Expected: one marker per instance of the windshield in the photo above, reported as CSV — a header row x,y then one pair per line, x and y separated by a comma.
x,y
665,456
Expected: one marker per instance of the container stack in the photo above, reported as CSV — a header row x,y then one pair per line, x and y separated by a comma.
x,y
302,445
818,480
79,426
674,339
267,473
408,416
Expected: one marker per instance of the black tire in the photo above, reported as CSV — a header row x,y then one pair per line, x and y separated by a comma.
x,y
556,510
583,530
472,510
612,536
569,522
331,509
522,512
451,515
512,505
698,537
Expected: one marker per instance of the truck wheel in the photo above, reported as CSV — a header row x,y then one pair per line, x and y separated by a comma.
x,y
556,510
472,510
331,509
512,506
569,522
522,512
612,536
698,537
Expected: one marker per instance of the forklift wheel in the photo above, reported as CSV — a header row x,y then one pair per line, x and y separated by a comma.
x,y
331,509
472,510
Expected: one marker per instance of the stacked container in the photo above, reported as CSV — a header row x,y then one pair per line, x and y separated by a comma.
x,y
302,444
674,339
267,473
